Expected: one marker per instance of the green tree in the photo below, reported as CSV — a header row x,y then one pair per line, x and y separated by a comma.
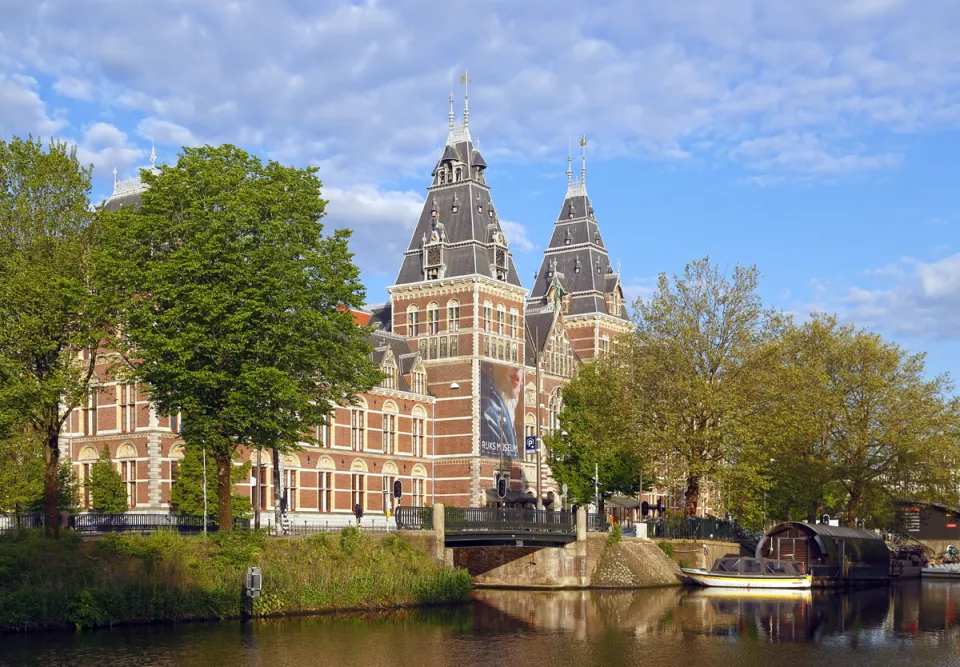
x,y
108,495
187,491
600,432
50,307
22,475
237,304
860,424
700,365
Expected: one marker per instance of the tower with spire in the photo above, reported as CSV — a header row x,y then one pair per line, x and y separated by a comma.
x,y
576,277
459,303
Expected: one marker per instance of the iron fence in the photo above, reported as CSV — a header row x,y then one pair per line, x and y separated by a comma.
x,y
493,519
693,528
597,523
414,518
146,523
12,522
316,528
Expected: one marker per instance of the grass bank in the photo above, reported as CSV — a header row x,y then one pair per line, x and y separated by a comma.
x,y
166,577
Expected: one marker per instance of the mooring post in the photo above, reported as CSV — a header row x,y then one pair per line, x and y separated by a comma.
x,y
439,531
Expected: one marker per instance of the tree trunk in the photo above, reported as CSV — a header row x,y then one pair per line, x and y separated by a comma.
x,y
277,491
852,506
692,496
224,491
51,517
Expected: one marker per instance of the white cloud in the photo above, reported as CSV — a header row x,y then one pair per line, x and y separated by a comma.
x,y
22,111
921,300
517,236
638,288
166,132
107,147
362,86
382,222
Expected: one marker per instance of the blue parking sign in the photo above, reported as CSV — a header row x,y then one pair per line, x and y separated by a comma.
x,y
531,443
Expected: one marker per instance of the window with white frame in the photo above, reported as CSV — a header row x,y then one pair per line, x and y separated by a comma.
x,y
358,490
501,319
453,315
433,319
514,323
90,412
389,431
128,472
290,479
419,431
419,380
325,491
487,316
127,401
358,428
389,370
413,321
418,492
325,432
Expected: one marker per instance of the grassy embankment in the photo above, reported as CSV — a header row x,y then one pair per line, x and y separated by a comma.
x,y
167,577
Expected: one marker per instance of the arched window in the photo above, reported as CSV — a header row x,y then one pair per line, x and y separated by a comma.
x,y
413,321
418,494
553,411
325,500
453,315
176,455
487,316
458,174
418,430
389,430
87,457
442,175
358,483
501,319
514,323
433,318
358,426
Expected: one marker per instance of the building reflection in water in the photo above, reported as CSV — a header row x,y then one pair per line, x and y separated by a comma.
x,y
927,612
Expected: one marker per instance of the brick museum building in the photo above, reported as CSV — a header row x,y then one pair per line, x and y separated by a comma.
x,y
474,361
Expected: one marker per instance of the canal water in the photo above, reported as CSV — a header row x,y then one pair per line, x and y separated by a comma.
x,y
910,624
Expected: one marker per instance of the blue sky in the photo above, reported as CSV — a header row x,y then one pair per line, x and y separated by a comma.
x,y
817,140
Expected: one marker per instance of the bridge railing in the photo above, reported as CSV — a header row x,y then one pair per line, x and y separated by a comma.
x,y
414,518
693,528
597,523
491,519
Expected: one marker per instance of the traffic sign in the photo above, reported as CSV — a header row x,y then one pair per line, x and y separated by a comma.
x,y
531,443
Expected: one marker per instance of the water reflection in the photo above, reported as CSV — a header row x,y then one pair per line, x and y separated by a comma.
x,y
910,624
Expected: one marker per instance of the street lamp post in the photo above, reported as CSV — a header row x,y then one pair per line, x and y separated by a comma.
x,y
204,489
537,360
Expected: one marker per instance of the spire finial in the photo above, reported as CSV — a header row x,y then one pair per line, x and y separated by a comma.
x,y
451,115
114,180
583,159
569,163
465,80
153,154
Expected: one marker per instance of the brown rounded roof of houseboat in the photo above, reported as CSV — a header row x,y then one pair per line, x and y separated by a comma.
x,y
830,531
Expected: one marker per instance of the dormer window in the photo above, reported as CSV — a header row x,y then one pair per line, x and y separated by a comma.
x,y
389,370
458,174
443,177
419,380
569,238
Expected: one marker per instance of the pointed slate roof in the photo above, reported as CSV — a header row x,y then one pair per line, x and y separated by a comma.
x,y
577,255
459,217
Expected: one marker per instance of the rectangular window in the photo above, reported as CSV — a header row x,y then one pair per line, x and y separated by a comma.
x,y
418,492
388,499
85,474
413,323
264,488
128,473
357,429
325,433
175,423
290,488
501,325
487,317
358,489
90,413
127,399
433,321
453,316
389,432
326,492
419,434
514,325
486,346
174,469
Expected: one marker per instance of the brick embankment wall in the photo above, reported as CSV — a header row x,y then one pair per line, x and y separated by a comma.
x,y
635,564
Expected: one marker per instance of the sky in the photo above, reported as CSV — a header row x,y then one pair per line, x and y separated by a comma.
x,y
816,140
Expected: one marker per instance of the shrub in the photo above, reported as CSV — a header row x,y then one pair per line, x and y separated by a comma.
x,y
616,535
666,547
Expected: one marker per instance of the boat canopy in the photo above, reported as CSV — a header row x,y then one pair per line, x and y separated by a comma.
x,y
757,566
